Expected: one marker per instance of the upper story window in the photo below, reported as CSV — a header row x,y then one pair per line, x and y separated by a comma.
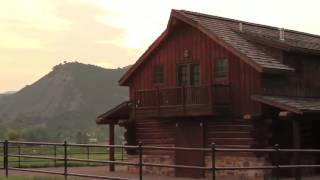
x,y
221,69
158,74
195,74
188,74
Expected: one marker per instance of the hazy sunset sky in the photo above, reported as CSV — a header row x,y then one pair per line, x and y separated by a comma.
x,y
35,35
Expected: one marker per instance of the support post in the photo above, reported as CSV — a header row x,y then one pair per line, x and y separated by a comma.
x,y
296,145
140,161
65,145
277,162
111,149
213,160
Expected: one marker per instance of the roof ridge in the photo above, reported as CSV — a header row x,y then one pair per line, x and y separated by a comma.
x,y
246,22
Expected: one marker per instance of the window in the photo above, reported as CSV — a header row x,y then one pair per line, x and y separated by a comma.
x,y
183,75
188,74
221,69
158,74
194,74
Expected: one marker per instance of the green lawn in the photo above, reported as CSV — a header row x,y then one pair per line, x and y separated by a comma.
x,y
95,153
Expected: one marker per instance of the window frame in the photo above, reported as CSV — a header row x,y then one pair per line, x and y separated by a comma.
x,y
221,71
190,77
156,74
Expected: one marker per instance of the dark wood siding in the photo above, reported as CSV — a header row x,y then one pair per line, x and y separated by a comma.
x,y
243,79
301,83
156,132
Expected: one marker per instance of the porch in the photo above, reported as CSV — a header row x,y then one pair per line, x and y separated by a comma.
x,y
202,100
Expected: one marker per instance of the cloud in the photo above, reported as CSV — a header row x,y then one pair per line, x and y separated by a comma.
x,y
29,48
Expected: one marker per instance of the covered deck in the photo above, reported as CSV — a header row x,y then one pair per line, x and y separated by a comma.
x,y
297,115
117,115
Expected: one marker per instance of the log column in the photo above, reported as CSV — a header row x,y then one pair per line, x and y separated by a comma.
x,y
111,149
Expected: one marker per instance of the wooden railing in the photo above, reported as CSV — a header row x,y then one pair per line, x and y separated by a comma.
x,y
183,95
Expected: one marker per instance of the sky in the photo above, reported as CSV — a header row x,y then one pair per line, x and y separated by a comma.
x,y
36,35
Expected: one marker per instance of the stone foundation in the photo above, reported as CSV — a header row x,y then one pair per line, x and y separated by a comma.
x,y
154,159
221,161
239,161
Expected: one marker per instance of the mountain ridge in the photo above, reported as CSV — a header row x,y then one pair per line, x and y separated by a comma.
x,y
67,99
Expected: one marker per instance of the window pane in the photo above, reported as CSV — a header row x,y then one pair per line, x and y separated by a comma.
x,y
182,75
158,74
221,69
195,74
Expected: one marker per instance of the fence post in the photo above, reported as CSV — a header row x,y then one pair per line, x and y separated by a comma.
x,y
3,154
88,155
213,160
65,145
19,158
6,159
140,161
122,153
55,155
277,161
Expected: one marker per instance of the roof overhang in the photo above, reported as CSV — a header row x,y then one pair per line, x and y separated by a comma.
x,y
298,105
120,112
278,44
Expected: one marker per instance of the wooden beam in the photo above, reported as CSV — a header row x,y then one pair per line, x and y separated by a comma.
x,y
111,149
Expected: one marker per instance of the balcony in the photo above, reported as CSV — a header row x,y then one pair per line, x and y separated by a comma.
x,y
204,100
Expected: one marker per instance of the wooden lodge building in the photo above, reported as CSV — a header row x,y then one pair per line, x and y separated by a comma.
x,y
211,79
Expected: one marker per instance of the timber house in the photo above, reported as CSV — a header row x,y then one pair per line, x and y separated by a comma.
x,y
211,79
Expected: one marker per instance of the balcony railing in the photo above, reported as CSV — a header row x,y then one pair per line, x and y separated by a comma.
x,y
183,96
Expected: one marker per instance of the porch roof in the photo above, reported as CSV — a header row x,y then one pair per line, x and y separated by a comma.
x,y
120,112
299,105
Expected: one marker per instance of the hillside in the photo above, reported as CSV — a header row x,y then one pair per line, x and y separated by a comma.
x,y
64,101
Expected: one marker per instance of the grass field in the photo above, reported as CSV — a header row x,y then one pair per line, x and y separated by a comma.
x,y
92,153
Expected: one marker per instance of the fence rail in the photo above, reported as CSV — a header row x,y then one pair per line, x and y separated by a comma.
x,y
275,167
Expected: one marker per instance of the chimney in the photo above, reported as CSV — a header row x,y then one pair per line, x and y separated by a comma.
x,y
281,31
240,26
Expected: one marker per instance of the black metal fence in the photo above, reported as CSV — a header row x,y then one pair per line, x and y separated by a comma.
x,y
213,169
21,149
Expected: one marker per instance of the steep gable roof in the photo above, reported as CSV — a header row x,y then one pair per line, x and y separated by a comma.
x,y
226,32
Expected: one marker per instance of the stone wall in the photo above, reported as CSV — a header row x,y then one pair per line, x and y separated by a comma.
x,y
239,161
221,161
154,159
